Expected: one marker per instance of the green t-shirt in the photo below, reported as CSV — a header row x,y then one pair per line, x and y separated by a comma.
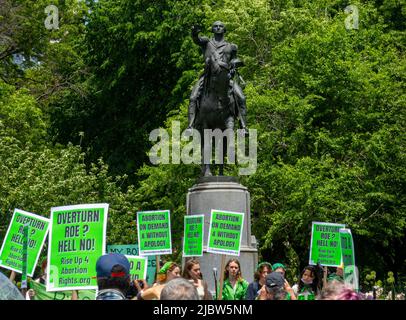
x,y
306,293
239,293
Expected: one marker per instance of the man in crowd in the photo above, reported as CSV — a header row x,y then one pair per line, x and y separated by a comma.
x,y
113,277
179,289
276,288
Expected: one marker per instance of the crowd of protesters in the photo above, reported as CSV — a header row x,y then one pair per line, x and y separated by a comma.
x,y
269,284
114,283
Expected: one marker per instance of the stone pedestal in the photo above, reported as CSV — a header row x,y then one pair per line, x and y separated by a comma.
x,y
223,193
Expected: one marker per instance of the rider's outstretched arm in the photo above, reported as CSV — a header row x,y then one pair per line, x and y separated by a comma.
x,y
201,41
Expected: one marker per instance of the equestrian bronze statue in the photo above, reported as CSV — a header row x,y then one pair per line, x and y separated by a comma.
x,y
217,99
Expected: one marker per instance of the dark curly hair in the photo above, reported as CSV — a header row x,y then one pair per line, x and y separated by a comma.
x,y
317,281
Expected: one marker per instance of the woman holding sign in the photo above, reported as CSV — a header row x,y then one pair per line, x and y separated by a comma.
x,y
234,287
192,273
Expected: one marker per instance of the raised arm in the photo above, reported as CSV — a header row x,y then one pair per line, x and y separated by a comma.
x,y
201,41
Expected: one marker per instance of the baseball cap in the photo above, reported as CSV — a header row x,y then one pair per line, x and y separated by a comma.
x,y
105,264
274,279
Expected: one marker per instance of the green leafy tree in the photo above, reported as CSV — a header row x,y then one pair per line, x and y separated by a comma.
x,y
35,181
139,57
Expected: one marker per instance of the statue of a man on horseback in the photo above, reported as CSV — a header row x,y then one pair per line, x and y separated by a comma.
x,y
217,100
219,56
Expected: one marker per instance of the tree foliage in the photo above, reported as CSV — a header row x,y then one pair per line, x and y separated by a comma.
x,y
137,52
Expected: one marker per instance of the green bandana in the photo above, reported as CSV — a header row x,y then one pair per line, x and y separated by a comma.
x,y
264,264
278,265
165,267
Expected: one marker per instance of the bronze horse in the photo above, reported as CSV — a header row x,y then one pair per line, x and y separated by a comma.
x,y
216,110
216,101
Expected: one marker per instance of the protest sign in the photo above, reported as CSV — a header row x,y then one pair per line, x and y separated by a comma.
x,y
126,249
225,232
325,247
154,232
42,294
77,239
138,267
132,250
348,258
347,247
11,254
193,235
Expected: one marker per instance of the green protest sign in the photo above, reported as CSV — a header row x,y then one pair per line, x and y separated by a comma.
x,y
347,247
193,235
225,232
154,232
77,239
126,249
132,250
11,253
325,246
348,258
42,294
138,267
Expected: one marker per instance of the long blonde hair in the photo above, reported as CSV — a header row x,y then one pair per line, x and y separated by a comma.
x,y
239,273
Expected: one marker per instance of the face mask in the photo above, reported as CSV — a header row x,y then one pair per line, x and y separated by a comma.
x,y
306,281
